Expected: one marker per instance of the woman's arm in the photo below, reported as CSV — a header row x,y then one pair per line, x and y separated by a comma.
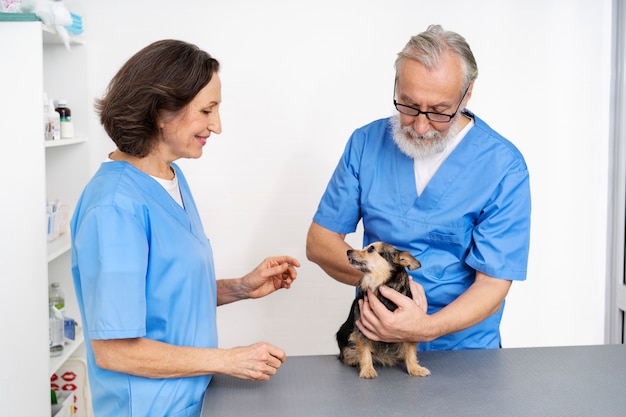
x,y
153,359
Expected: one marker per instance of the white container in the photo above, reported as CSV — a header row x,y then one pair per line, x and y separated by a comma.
x,y
53,123
54,225
56,331
67,126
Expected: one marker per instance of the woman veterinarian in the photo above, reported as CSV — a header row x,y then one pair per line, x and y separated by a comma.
x,y
142,265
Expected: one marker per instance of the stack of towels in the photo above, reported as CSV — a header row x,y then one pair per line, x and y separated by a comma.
x,y
76,28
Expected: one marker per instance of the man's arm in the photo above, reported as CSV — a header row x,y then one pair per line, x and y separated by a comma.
x,y
328,249
482,299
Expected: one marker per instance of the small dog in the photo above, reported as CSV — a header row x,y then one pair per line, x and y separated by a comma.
x,y
382,264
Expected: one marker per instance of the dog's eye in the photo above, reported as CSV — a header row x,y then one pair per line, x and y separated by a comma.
x,y
371,249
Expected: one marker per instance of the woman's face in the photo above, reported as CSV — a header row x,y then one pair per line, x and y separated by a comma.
x,y
185,133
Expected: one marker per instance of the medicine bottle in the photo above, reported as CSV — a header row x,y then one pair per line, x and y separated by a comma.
x,y
53,122
56,297
46,109
67,127
55,331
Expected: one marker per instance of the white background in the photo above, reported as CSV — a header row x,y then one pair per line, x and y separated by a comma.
x,y
299,76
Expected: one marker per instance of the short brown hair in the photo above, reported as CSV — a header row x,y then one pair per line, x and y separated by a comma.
x,y
164,76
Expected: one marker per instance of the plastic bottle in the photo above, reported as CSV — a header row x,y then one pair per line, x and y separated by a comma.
x,y
67,127
55,331
46,103
53,123
56,297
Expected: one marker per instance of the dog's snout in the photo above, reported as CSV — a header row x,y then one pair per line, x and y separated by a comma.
x,y
349,252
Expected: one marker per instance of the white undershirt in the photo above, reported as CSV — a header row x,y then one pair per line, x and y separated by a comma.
x,y
171,186
425,168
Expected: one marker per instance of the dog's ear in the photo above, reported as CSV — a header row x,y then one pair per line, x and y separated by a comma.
x,y
404,258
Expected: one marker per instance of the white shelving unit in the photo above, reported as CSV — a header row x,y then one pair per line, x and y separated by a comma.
x,y
34,61
58,249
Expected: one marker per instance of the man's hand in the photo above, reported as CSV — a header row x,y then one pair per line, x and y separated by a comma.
x,y
380,324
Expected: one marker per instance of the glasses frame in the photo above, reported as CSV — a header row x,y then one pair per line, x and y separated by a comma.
x,y
428,113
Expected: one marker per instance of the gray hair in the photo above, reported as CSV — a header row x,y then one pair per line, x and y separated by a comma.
x,y
428,47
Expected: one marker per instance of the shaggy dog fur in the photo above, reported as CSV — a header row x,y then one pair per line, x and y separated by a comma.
x,y
382,264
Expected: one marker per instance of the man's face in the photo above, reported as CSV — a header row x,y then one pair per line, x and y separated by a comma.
x,y
438,90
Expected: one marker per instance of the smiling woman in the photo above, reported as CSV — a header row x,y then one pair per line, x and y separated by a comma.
x,y
139,246
163,78
184,134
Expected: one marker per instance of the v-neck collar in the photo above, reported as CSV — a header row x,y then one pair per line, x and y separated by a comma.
x,y
152,190
439,185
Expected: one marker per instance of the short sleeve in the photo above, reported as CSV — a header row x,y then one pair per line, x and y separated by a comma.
x,y
339,209
111,251
502,234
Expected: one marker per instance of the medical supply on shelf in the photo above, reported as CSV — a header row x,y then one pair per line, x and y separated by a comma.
x,y
67,126
52,121
69,329
57,297
76,28
54,219
56,331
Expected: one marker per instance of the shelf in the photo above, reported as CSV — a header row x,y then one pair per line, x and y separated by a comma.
x,y
50,37
64,142
18,17
56,170
70,347
59,246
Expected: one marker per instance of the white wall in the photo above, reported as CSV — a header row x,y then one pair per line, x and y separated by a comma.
x,y
298,77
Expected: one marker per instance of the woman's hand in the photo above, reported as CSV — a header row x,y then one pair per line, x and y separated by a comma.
x,y
256,362
272,274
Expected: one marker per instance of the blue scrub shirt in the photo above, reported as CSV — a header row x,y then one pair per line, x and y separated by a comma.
x,y
142,267
474,214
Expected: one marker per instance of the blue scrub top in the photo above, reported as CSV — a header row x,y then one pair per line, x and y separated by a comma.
x,y
474,214
142,267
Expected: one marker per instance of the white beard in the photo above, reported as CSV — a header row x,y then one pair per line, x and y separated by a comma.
x,y
422,146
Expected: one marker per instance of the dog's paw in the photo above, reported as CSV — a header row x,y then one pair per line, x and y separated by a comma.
x,y
349,357
368,373
418,370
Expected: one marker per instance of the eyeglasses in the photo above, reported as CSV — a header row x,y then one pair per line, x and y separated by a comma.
x,y
430,115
